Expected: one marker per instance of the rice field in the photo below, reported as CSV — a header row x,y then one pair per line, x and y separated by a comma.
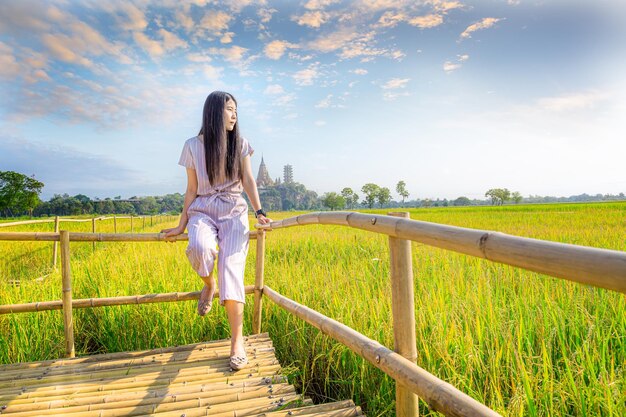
x,y
520,342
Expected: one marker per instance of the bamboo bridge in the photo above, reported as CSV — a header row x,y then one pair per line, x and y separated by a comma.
x,y
195,380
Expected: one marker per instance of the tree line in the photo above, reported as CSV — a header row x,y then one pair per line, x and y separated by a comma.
x,y
19,195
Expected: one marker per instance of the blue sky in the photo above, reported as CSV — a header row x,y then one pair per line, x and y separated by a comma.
x,y
454,97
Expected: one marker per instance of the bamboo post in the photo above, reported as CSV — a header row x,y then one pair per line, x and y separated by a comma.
x,y
55,245
403,308
67,294
151,220
131,224
114,223
93,230
143,225
258,281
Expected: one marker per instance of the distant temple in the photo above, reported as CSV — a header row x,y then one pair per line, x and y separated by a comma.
x,y
288,174
263,177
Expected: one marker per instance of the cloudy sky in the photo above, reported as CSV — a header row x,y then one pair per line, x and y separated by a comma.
x,y
454,97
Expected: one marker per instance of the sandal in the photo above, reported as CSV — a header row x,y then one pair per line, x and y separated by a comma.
x,y
237,363
204,306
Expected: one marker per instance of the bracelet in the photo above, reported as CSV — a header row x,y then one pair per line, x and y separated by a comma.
x,y
260,211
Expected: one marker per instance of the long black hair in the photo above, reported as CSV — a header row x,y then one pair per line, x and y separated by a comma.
x,y
222,148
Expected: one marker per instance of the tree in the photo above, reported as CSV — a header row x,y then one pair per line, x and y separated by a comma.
x,y
383,196
371,192
517,197
351,198
401,190
498,195
462,201
333,201
18,193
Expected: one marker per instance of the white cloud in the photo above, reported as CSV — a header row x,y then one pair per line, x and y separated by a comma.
x,y
60,47
445,5
153,48
485,23
330,101
9,68
359,71
227,37
320,123
266,14
393,95
449,66
306,76
318,4
276,49
171,41
284,100
426,22
198,57
274,89
396,83
573,101
313,19
134,19
211,72
216,22
334,40
390,19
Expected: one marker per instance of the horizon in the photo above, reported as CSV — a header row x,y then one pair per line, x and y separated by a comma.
x,y
452,97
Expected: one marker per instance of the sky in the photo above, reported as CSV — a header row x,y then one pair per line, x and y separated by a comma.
x,y
453,97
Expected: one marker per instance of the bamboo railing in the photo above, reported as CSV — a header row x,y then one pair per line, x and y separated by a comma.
x,y
57,220
597,267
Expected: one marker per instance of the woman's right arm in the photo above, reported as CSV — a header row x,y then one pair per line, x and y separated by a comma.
x,y
190,195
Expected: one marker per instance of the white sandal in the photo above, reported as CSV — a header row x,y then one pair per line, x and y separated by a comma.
x,y
237,363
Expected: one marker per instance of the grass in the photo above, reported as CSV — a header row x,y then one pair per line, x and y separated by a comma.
x,y
520,342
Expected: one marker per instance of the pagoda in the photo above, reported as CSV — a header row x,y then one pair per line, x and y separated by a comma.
x,y
263,177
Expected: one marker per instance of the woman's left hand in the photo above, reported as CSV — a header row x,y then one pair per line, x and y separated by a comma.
x,y
261,219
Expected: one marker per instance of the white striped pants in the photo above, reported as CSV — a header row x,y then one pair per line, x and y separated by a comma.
x,y
220,220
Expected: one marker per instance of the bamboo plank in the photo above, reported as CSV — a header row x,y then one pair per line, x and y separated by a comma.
x,y
217,366
439,395
249,384
221,375
248,408
251,339
207,363
108,301
178,406
167,358
202,399
158,384
316,409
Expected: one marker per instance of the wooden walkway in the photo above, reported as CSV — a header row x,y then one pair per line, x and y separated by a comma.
x,y
192,380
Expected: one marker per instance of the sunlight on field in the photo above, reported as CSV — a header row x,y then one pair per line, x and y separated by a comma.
x,y
520,342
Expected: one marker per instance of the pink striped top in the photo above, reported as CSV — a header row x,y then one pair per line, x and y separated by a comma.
x,y
192,157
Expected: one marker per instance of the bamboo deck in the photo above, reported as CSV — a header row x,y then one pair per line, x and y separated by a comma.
x,y
191,380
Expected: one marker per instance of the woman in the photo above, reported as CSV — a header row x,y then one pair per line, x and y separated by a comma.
x,y
215,214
